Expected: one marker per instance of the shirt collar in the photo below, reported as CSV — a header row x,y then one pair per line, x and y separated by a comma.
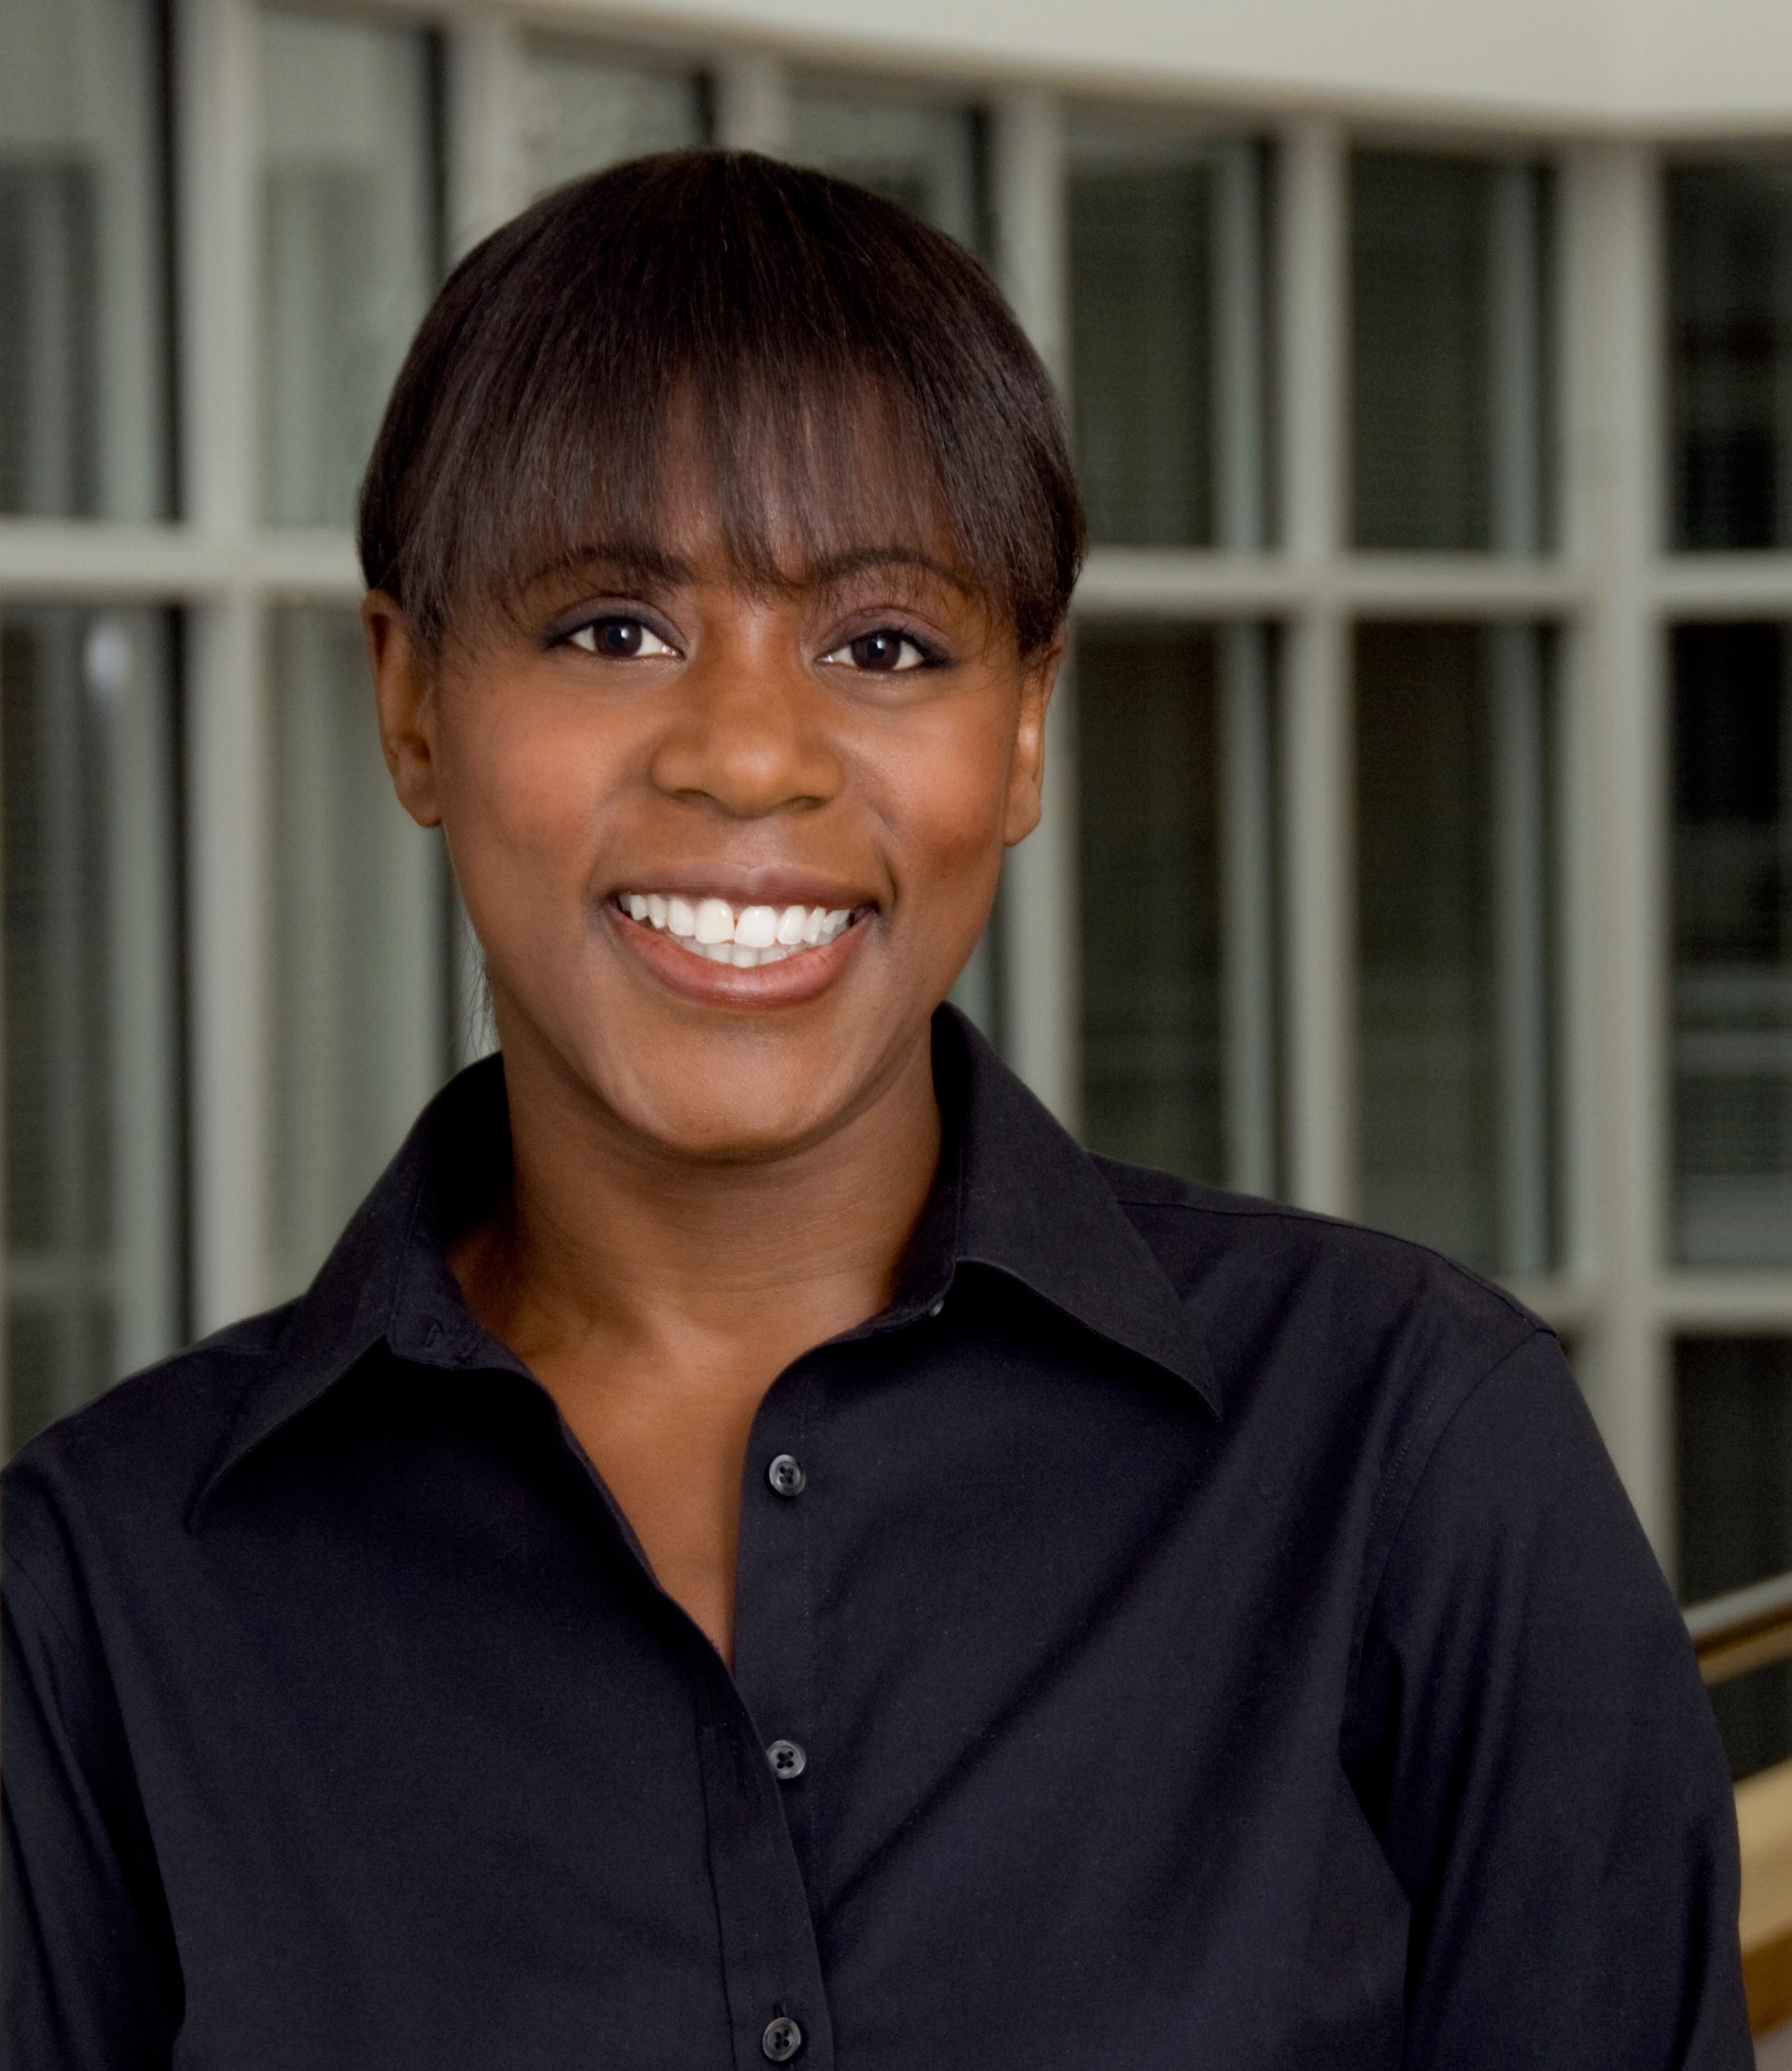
x,y
1015,1194
1032,1204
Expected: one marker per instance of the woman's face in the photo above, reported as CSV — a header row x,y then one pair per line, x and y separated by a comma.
x,y
725,849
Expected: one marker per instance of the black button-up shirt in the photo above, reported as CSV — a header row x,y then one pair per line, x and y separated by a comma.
x,y
1178,1632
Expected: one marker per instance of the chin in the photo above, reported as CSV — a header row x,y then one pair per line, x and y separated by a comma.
x,y
750,1114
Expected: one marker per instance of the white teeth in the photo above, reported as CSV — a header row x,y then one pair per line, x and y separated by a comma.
x,y
756,935
757,928
715,922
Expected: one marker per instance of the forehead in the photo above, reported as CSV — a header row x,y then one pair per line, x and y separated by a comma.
x,y
802,485
848,498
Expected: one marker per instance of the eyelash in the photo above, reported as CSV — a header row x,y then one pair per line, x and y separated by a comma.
x,y
905,636
569,637
931,656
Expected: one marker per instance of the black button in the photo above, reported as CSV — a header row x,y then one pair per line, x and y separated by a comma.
x,y
787,1759
782,2040
787,1479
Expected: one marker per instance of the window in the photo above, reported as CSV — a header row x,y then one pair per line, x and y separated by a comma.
x,y
1448,302
1453,789
360,933
83,417
925,153
585,107
1734,1410
1730,263
92,978
349,246
1732,917
1168,290
1174,758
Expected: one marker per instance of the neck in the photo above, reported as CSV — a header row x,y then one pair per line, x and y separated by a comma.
x,y
608,1248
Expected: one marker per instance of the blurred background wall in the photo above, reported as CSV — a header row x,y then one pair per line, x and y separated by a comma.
x,y
1420,845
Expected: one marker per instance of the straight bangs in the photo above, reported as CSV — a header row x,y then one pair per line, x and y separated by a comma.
x,y
823,373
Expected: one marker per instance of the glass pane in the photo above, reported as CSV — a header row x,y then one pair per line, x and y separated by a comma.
x,y
1175,842
348,252
1167,257
82,408
1733,1398
1729,272
1453,842
914,151
361,927
1732,988
90,974
585,108
1450,308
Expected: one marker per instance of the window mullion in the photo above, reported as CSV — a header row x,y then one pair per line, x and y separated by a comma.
x,y
226,819
486,183
753,102
1041,982
1618,775
1318,873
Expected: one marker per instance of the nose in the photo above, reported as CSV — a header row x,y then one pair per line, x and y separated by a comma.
x,y
747,733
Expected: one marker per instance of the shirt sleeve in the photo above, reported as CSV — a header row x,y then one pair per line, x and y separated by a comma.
x,y
88,1976
1530,1738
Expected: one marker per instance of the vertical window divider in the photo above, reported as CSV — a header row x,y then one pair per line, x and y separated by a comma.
x,y
225,691
1619,778
1246,914
1520,827
1040,1003
1247,819
486,186
1317,814
753,102
1518,729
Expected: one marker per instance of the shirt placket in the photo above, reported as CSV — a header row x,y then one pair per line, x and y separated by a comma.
x,y
758,1767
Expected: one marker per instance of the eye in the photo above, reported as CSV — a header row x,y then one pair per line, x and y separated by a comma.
x,y
883,651
619,640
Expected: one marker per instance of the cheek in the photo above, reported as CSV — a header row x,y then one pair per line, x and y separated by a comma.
x,y
522,800
947,797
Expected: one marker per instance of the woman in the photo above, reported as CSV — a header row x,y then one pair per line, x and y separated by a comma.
x,y
754,1546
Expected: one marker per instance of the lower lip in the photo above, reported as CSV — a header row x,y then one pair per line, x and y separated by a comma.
x,y
789,982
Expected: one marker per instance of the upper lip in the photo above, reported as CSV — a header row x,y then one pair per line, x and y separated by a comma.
x,y
741,885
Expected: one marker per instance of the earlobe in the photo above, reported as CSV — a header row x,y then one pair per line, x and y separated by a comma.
x,y
403,690
1026,782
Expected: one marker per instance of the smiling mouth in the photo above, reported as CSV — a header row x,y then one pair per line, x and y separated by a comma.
x,y
742,936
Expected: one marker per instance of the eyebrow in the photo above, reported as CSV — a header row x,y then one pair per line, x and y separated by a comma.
x,y
633,560
840,567
637,561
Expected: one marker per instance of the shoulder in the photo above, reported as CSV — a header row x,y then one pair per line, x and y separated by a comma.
x,y
1207,1239
131,1463
1307,1315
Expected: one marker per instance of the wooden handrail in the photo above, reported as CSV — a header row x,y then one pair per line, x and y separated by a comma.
x,y
1747,1630
1764,1823
1750,1628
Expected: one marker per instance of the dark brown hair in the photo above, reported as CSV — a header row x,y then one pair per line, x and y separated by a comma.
x,y
848,375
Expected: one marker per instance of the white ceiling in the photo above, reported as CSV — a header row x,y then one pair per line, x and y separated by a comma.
x,y
1655,64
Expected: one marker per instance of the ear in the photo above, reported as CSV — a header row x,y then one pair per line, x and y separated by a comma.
x,y
403,689
1026,777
